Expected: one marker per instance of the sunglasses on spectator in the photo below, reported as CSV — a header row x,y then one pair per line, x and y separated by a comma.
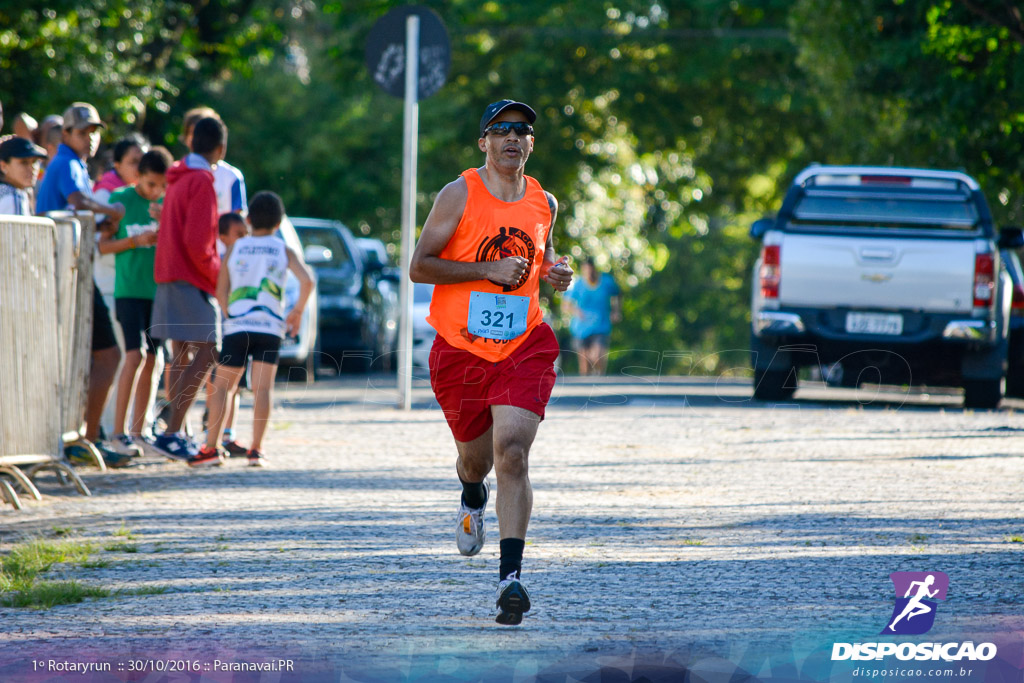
x,y
503,127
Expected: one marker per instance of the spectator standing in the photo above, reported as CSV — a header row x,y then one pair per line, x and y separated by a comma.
x,y
250,289
134,288
228,181
594,302
19,166
229,185
51,134
185,270
126,154
232,227
66,184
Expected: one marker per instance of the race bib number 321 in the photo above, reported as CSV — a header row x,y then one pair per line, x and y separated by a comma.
x,y
497,316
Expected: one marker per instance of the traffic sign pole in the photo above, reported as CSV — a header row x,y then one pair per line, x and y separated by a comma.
x,y
422,67
410,150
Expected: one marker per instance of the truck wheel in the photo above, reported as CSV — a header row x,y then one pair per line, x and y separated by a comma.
x,y
774,385
983,394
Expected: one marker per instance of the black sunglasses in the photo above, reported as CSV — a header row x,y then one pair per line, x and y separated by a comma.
x,y
503,127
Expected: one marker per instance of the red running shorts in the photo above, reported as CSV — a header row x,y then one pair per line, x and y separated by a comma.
x,y
467,385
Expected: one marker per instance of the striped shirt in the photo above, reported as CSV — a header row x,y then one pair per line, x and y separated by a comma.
x,y
14,201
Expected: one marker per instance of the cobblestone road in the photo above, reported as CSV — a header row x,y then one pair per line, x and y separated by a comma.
x,y
669,516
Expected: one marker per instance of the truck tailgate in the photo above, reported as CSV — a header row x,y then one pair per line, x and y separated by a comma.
x,y
877,273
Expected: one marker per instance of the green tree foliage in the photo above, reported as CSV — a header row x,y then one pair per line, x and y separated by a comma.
x,y
134,60
936,84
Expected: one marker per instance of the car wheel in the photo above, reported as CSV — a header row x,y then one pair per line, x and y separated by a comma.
x,y
983,394
774,385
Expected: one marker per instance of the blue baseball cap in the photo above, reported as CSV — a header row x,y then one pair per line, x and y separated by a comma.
x,y
20,148
495,108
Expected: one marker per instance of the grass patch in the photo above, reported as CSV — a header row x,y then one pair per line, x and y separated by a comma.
x,y
1016,539
20,585
121,547
28,560
95,564
124,532
21,569
47,594
693,541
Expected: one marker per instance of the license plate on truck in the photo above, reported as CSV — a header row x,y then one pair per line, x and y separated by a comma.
x,y
874,323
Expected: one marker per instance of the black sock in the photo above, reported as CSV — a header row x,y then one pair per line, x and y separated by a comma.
x,y
474,495
511,557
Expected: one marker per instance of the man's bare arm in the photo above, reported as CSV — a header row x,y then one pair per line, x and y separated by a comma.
x,y
428,266
114,212
559,278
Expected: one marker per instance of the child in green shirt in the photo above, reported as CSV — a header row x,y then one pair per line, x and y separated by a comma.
x,y
134,243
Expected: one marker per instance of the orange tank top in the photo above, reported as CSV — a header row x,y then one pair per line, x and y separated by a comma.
x,y
490,230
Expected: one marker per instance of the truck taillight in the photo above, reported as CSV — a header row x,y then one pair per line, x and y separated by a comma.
x,y
1017,303
771,271
984,279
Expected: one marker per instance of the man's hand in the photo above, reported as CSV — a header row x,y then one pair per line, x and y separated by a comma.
x,y
558,274
508,271
154,210
146,239
293,322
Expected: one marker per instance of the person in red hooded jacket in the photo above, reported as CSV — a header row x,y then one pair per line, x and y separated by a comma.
x,y
185,308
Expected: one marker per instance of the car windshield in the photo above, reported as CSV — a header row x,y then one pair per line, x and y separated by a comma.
x,y
931,210
329,239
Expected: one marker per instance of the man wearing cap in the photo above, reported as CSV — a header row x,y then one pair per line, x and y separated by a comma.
x,y
486,245
19,166
66,184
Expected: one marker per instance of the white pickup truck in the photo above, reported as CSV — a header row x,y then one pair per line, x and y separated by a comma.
x,y
891,274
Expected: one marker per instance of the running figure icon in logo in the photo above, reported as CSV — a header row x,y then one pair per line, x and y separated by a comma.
x,y
919,590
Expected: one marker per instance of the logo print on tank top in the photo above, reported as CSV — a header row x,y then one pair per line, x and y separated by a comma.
x,y
508,242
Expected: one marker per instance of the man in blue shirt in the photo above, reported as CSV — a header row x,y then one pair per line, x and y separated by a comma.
x,y
66,185
594,301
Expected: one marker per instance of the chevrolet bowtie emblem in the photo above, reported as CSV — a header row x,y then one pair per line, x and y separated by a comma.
x,y
876,277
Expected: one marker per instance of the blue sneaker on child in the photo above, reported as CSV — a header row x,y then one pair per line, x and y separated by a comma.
x,y
175,446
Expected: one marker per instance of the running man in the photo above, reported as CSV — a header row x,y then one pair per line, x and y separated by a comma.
x,y
492,363
915,607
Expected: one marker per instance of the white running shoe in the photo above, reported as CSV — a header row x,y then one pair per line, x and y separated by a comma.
x,y
512,601
469,532
122,444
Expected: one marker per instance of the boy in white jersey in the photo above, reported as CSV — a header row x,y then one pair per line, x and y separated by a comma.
x,y
250,290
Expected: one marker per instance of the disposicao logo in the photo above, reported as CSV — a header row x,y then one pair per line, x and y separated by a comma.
x,y
914,614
